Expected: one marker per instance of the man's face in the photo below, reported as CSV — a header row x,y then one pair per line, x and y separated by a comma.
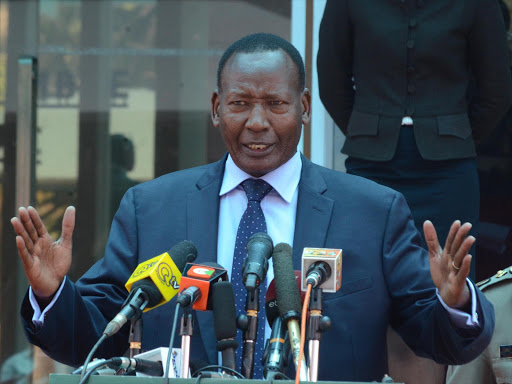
x,y
260,110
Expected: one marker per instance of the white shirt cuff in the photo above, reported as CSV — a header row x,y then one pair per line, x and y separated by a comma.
x,y
38,317
460,318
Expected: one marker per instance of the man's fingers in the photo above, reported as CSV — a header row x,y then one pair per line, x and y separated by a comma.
x,y
20,230
38,223
25,256
68,225
459,238
454,228
463,273
28,224
463,250
431,238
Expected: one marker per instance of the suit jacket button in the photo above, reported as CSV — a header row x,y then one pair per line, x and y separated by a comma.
x,y
412,22
420,3
410,69
410,44
411,89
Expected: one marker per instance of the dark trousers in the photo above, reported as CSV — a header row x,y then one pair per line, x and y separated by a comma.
x,y
440,191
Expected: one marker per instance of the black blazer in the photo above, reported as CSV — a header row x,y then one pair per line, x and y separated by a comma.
x,y
380,60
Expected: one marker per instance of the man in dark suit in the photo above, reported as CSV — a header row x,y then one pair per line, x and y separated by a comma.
x,y
260,106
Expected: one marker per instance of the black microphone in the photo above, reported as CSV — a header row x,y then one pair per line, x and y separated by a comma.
x,y
259,250
277,349
288,297
318,273
148,367
254,271
152,283
224,322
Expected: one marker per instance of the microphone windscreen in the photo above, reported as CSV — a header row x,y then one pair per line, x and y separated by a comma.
x,y
287,291
271,304
183,253
224,311
150,289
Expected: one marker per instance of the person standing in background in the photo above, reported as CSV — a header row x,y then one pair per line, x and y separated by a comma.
x,y
494,365
394,77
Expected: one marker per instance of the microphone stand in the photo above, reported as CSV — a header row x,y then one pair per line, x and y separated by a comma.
x,y
317,324
135,338
186,330
252,307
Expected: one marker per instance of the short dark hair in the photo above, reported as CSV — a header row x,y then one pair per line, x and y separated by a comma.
x,y
263,42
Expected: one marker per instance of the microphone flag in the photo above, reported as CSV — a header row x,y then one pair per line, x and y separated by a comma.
x,y
163,272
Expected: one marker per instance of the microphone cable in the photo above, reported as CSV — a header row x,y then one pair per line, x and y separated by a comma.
x,y
91,353
92,365
94,368
227,369
171,343
305,307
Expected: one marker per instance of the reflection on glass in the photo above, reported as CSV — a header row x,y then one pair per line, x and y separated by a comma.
x,y
123,97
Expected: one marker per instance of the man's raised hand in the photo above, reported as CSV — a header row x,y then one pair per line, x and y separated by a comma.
x,y
45,261
449,266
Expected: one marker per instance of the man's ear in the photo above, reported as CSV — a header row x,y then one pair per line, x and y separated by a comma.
x,y
215,108
305,100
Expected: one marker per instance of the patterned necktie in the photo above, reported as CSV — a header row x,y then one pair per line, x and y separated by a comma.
x,y
252,221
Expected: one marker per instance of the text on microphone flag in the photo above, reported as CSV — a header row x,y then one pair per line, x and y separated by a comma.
x,y
163,272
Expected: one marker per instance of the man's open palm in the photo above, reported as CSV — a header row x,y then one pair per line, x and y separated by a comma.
x,y
45,261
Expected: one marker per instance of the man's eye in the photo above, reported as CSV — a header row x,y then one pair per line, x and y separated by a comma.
x,y
276,102
239,102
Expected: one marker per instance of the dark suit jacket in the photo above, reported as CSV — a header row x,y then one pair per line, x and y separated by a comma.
x,y
385,274
413,58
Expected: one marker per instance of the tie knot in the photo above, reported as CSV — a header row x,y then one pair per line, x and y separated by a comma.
x,y
256,189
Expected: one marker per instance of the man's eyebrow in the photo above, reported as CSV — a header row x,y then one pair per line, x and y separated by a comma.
x,y
268,95
237,93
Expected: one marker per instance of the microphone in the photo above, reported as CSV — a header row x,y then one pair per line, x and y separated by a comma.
x,y
318,273
288,297
254,271
153,283
224,322
259,250
197,281
195,286
148,367
319,264
277,349
321,267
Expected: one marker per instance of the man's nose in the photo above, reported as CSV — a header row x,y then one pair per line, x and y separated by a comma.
x,y
257,119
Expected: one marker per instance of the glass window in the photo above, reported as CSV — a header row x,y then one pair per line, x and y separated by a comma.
x,y
123,96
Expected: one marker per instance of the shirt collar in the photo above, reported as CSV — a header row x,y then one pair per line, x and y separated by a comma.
x,y
284,179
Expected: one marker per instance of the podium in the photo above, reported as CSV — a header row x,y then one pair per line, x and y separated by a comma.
x,y
74,379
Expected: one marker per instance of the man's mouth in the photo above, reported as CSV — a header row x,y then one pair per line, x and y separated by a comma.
x,y
258,147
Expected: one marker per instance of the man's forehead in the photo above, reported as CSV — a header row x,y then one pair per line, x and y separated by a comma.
x,y
243,64
261,58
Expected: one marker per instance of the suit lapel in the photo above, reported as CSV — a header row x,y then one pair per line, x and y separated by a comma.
x,y
202,228
314,212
